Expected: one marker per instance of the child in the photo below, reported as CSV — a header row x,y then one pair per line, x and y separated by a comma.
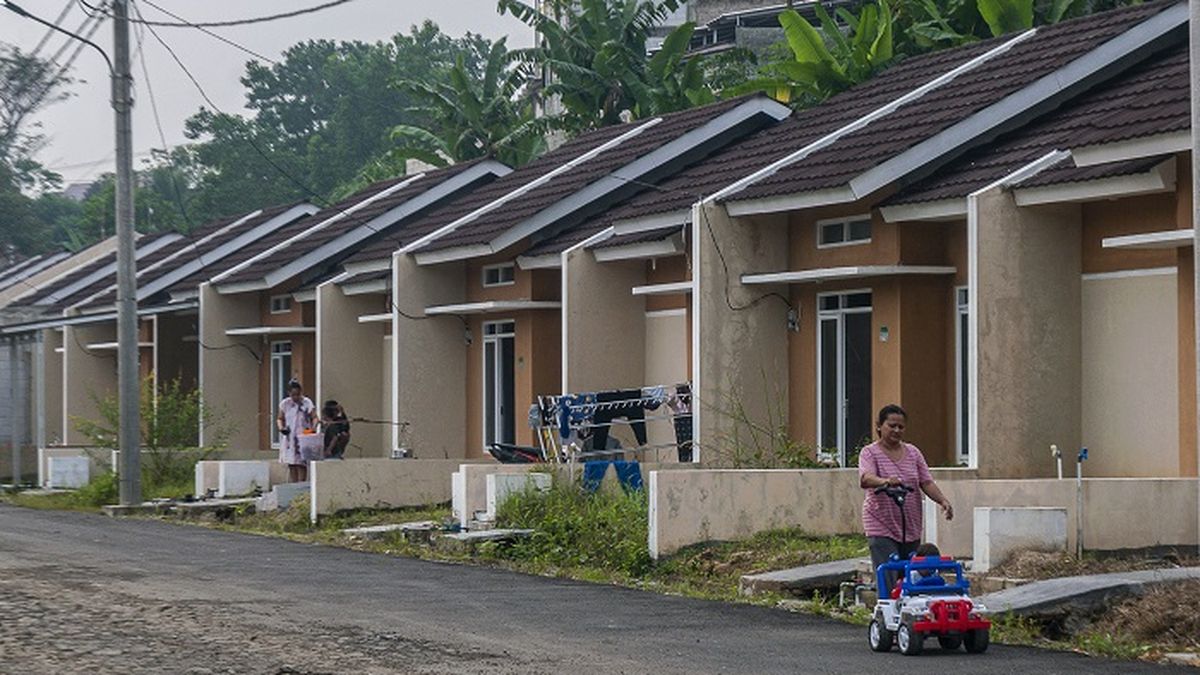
x,y
337,429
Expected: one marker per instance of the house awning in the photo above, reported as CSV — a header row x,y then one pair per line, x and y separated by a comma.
x,y
492,306
270,330
838,273
97,346
1152,240
375,318
664,289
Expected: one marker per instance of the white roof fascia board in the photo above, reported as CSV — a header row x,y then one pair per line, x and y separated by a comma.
x,y
221,252
1055,85
670,246
1160,179
190,248
242,287
375,318
270,330
365,287
656,221
111,268
540,262
1152,240
806,200
870,117
642,166
424,200
344,213
113,345
1134,148
492,306
452,254
184,296
835,273
531,185
308,295
942,209
366,266
664,289
79,320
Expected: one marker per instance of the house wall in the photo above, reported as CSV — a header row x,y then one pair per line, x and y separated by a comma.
x,y
744,351
430,363
350,366
1028,339
176,350
304,354
1186,318
50,391
229,374
88,375
598,307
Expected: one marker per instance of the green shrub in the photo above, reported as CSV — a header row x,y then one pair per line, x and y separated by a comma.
x,y
100,491
575,529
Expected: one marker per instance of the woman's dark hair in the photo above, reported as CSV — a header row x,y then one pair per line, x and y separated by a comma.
x,y
295,384
889,409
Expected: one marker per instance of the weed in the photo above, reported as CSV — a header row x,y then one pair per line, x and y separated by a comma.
x,y
1111,646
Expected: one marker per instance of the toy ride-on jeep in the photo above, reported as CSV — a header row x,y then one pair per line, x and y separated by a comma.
x,y
925,603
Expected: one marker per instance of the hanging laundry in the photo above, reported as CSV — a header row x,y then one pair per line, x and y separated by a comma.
x,y
680,404
605,414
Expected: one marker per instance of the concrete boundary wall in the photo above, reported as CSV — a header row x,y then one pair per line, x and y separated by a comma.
x,y
690,507
1119,513
378,483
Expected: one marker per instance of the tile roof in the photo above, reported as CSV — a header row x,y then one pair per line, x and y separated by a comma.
x,y
1149,98
40,296
646,237
193,240
260,268
364,277
1051,48
486,228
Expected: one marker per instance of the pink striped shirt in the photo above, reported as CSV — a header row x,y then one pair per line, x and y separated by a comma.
x,y
881,517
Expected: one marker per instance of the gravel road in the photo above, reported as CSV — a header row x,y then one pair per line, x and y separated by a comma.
x,y
82,593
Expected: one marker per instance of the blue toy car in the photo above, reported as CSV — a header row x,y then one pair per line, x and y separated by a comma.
x,y
931,599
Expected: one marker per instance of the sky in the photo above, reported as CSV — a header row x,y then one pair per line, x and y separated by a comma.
x,y
79,130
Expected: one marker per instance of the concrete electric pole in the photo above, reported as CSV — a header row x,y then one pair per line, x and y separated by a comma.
x,y
129,391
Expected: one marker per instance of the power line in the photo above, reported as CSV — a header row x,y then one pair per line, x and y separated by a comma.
x,y
58,22
241,22
206,31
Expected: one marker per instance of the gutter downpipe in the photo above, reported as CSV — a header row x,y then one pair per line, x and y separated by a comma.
x,y
1194,69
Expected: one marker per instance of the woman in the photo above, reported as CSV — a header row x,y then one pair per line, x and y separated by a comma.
x,y
295,415
891,461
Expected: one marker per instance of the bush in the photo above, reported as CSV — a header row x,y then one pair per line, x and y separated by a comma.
x,y
573,528
100,491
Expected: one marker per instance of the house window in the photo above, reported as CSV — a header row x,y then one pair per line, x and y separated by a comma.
x,y
843,373
499,382
842,232
962,372
281,304
499,275
281,373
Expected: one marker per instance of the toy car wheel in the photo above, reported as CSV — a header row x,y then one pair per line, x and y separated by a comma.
x,y
909,640
879,637
950,642
976,640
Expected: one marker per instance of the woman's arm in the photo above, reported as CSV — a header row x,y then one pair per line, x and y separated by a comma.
x,y
935,493
868,479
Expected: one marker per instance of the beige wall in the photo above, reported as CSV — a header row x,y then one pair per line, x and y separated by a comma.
x,y
430,359
603,324
379,483
742,352
176,357
1028,338
50,407
350,370
229,375
666,363
88,375
1119,513
1130,418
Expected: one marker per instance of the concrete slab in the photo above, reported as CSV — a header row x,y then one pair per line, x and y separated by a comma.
x,y
1002,531
465,541
69,472
376,531
237,478
802,580
1053,598
281,496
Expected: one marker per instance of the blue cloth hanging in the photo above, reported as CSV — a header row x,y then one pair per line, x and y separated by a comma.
x,y
629,474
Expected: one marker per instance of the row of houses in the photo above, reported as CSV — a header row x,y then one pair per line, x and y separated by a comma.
x,y
998,237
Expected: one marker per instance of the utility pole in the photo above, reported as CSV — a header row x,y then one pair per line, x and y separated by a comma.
x,y
129,436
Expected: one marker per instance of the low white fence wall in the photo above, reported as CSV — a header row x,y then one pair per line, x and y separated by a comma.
x,y
380,483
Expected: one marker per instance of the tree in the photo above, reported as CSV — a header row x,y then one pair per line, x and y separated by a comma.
x,y
27,84
592,54
473,114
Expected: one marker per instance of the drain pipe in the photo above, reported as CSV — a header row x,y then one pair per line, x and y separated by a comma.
x,y
1057,455
1079,460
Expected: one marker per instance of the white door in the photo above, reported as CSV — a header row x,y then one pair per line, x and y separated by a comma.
x,y
843,372
281,373
499,386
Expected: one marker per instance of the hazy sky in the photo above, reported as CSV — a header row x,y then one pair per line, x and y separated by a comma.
x,y
80,129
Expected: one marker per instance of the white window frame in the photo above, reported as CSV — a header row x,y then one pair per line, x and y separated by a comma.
x,y
841,365
500,266
961,308
285,298
495,337
845,223
277,396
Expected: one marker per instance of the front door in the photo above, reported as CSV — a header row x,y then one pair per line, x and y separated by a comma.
x,y
499,387
844,372
281,374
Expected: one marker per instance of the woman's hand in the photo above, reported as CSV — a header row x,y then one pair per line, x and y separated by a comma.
x,y
948,509
893,481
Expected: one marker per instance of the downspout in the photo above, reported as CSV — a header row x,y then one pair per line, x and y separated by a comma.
x,y
1193,69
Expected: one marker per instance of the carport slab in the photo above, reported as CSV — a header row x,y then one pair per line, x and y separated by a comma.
x,y
1084,594
802,580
